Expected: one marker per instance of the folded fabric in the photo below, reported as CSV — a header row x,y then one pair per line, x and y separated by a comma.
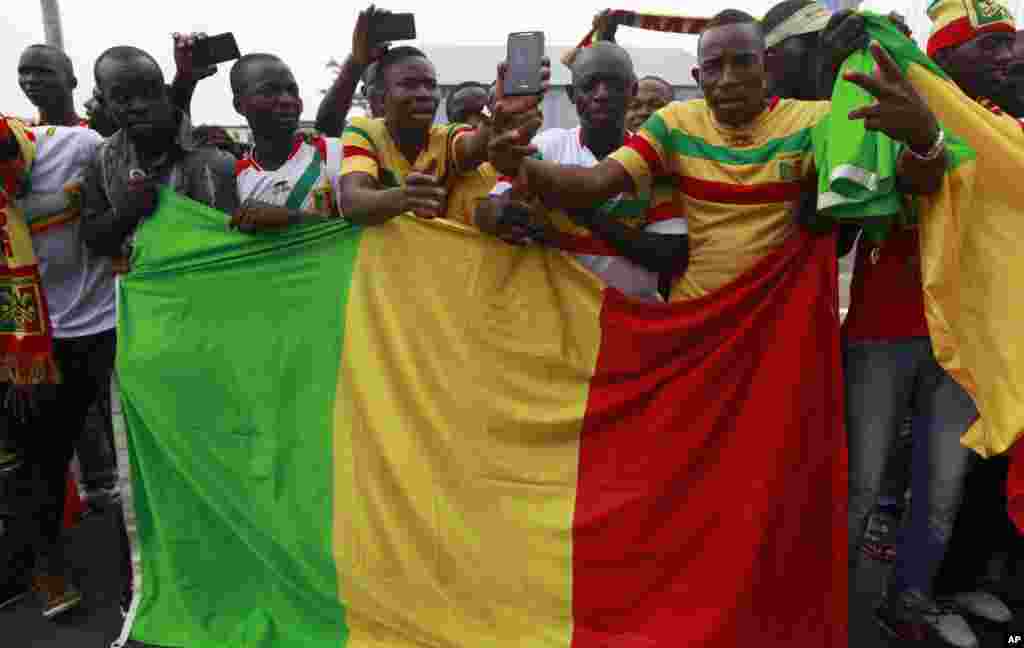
x,y
856,168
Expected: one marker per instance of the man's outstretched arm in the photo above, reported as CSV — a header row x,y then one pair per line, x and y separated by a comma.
x,y
657,252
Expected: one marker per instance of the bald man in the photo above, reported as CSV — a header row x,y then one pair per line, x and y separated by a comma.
x,y
630,252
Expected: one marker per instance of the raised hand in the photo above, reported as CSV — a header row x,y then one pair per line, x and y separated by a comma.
x,y
521,104
899,111
183,45
365,52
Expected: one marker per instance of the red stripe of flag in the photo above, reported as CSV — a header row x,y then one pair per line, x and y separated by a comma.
x,y
736,194
711,481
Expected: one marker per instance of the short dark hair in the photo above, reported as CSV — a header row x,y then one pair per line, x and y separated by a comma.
x,y
242,65
62,56
393,57
459,88
657,79
121,53
730,17
781,12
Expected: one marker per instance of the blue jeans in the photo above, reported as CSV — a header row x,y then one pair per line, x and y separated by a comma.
x,y
886,381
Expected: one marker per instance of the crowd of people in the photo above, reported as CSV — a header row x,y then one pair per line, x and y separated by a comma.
x,y
917,497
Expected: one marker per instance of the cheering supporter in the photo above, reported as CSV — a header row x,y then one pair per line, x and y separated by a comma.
x,y
466,102
641,247
47,78
470,188
890,372
737,110
288,177
80,295
652,94
979,58
153,148
402,162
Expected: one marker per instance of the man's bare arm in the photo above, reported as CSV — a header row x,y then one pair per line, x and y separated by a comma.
x,y
365,202
330,117
573,186
657,252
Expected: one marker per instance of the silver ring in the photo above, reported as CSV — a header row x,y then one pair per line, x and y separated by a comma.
x,y
137,174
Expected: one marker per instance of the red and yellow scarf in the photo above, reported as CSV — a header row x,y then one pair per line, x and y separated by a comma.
x,y
26,336
652,21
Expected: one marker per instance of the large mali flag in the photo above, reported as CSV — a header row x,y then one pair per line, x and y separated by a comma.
x,y
412,435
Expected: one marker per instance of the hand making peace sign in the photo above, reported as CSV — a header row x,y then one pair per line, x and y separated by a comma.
x,y
899,111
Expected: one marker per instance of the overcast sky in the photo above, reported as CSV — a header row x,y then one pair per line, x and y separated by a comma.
x,y
306,40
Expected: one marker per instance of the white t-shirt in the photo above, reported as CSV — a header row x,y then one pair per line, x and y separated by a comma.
x,y
79,285
309,180
565,146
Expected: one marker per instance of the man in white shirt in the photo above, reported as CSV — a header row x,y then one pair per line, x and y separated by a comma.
x,y
80,293
287,177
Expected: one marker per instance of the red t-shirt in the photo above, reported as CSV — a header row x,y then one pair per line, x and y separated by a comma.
x,y
886,296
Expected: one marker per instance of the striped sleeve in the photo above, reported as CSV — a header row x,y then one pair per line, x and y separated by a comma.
x,y
455,132
644,154
359,152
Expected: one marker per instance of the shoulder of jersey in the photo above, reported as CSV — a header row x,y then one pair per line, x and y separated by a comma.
x,y
244,164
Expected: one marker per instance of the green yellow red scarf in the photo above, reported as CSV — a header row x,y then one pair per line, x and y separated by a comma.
x,y
26,336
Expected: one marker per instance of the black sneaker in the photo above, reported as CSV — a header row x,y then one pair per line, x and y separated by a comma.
x,y
12,593
912,616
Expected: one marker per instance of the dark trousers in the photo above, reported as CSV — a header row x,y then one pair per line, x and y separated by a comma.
x,y
48,441
983,529
97,454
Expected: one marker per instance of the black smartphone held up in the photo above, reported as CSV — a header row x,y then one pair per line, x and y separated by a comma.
x,y
388,27
525,55
215,49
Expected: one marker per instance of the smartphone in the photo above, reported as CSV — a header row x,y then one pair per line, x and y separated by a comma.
x,y
525,54
387,27
215,49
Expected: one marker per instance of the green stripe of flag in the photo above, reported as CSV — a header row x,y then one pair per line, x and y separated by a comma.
x,y
235,492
